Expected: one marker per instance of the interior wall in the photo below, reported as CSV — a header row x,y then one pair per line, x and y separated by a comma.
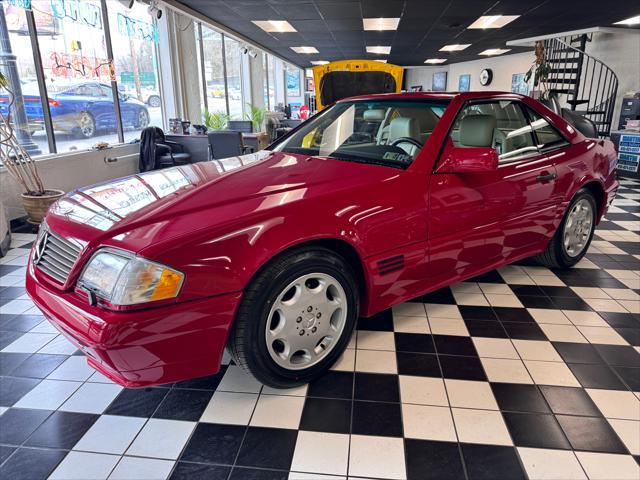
x,y
69,171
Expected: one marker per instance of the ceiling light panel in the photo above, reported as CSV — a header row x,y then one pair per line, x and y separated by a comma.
x,y
493,21
629,21
305,50
435,61
495,51
319,62
456,47
379,49
275,26
381,23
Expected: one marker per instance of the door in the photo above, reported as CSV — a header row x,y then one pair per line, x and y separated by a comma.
x,y
479,219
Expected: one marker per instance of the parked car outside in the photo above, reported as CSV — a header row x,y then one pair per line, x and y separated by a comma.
x,y
374,201
82,108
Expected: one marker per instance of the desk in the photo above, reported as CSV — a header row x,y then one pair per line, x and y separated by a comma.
x,y
198,145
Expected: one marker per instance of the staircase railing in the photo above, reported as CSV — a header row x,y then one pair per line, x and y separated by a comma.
x,y
587,82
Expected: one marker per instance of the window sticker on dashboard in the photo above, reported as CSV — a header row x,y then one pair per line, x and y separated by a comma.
x,y
397,157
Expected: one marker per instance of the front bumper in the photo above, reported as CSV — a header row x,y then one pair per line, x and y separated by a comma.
x,y
142,347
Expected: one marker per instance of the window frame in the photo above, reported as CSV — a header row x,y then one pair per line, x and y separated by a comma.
x,y
552,148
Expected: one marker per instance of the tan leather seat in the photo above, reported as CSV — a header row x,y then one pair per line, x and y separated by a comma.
x,y
405,127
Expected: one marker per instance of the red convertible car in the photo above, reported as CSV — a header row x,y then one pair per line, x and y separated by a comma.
x,y
274,255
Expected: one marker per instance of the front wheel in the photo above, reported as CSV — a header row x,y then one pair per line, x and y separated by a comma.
x,y
573,237
296,318
86,125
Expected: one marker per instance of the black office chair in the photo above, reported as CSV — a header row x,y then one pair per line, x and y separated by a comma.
x,y
226,143
157,152
244,126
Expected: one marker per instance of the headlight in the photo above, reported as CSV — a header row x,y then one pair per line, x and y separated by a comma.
x,y
124,279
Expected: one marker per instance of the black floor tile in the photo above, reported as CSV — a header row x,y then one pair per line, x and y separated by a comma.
x,y
536,302
377,418
267,448
332,385
214,443
485,329
569,401
429,460
596,376
324,415
10,361
630,376
619,355
489,462
5,452
414,342
7,269
380,322
528,290
590,434
535,430
140,402
631,335
21,323
13,389
461,368
419,364
39,365
7,338
571,304
62,430
454,345
554,291
470,312
524,331
513,315
242,473
209,382
621,320
185,405
16,424
31,464
490,277
577,352
442,296
519,398
377,387
199,471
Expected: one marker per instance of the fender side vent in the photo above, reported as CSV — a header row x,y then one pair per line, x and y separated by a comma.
x,y
391,264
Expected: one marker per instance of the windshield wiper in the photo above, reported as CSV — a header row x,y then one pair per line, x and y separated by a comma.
x,y
368,160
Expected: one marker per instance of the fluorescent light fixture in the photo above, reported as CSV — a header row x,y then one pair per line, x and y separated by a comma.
x,y
493,21
456,47
380,23
381,61
319,62
275,26
379,49
495,51
435,61
629,21
305,49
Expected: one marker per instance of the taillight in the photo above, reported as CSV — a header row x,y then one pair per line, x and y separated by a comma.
x,y
53,103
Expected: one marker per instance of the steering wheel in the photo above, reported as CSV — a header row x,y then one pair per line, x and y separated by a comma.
x,y
410,140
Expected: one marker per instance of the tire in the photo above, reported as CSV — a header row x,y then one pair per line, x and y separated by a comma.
x,y
86,125
142,119
259,342
558,253
153,101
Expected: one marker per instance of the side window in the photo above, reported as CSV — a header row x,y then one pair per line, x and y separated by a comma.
x,y
501,125
547,136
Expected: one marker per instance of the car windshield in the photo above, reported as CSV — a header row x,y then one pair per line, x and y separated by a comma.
x,y
382,132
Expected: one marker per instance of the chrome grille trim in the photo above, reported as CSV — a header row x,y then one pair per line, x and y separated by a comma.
x,y
58,256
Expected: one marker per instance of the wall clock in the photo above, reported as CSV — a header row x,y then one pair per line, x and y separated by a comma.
x,y
486,76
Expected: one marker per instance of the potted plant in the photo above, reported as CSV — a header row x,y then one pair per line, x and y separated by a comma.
x,y
256,116
215,120
35,198
540,70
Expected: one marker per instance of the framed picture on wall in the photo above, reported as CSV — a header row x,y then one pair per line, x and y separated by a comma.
x,y
439,82
293,83
415,88
464,82
518,85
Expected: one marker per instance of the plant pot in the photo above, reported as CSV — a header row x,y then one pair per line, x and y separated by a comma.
x,y
36,206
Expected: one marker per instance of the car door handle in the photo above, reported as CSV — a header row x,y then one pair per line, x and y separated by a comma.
x,y
546,177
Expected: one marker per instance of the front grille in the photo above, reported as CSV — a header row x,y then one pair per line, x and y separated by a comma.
x,y
56,256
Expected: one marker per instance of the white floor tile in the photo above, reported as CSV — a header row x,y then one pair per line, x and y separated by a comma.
x,y
505,370
448,326
278,411
406,324
374,340
58,346
85,466
495,348
110,434
134,468
29,343
470,394
551,373
616,403
73,368
409,309
544,464
428,422
629,433
481,426
437,310
236,380
326,453
608,466
373,361
423,390
230,407
536,350
379,457
92,398
48,395
161,439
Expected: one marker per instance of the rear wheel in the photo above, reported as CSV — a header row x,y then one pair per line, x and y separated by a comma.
x,y
296,318
153,101
573,237
142,119
86,125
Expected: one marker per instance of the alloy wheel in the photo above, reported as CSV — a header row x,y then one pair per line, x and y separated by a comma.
x,y
578,227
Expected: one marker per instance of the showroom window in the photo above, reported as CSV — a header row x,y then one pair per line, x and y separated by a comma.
x,y
233,59
271,82
213,64
19,68
134,40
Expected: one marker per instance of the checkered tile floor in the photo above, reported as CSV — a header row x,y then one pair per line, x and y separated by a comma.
x,y
524,372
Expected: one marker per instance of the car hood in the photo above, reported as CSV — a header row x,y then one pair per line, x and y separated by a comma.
x,y
218,190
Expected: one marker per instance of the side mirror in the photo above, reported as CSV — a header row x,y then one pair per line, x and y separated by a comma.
x,y
468,160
